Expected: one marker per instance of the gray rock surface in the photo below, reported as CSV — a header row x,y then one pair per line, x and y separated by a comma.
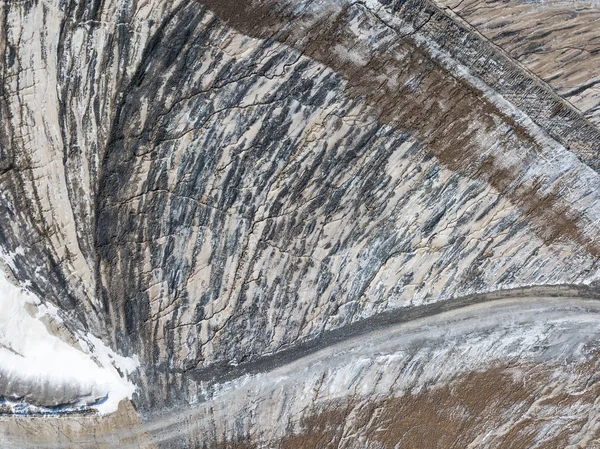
x,y
207,184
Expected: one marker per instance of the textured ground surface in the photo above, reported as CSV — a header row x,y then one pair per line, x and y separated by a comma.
x,y
230,191
493,374
557,40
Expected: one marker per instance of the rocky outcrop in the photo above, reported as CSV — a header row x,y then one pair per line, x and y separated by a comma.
x,y
206,185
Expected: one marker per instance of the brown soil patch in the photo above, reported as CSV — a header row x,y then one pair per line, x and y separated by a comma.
x,y
452,416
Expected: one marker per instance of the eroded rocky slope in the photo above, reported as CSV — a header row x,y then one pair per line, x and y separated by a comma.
x,y
204,185
557,40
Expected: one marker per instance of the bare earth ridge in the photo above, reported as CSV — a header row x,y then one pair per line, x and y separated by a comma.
x,y
557,40
510,363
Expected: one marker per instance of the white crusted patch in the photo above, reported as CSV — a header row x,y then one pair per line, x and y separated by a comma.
x,y
39,368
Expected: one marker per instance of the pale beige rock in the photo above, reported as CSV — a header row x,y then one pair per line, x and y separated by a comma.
x,y
89,432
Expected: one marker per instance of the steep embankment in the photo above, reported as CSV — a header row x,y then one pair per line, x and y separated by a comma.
x,y
557,40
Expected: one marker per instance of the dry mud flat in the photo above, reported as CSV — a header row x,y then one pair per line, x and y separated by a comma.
x,y
511,372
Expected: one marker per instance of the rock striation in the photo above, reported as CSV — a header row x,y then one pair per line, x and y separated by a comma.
x,y
231,192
